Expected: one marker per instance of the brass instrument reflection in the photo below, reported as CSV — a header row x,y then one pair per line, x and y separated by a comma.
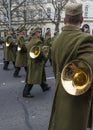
x,y
76,77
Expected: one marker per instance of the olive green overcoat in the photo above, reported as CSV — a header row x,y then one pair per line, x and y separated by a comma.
x,y
35,67
21,56
70,112
47,42
9,51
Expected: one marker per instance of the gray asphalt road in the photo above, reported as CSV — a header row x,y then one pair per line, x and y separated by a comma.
x,y
18,113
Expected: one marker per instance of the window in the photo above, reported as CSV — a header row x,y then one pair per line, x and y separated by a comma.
x,y
32,11
40,13
86,10
49,12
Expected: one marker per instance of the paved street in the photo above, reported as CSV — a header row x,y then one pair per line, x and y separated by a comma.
x,y
18,113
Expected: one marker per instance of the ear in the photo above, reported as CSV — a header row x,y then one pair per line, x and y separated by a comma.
x,y
81,21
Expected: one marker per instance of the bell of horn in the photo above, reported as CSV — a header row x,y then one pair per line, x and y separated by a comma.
x,y
7,44
45,51
8,41
34,52
19,48
76,77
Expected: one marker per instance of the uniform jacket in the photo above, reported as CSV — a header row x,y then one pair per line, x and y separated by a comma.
x,y
21,56
10,51
35,67
47,42
70,112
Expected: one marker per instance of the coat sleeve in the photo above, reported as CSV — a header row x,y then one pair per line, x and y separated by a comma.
x,y
85,51
53,57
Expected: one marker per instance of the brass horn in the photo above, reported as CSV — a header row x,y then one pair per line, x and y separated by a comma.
x,y
45,51
7,44
18,48
8,41
35,52
76,77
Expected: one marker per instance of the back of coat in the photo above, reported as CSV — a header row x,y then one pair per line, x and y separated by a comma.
x,y
70,112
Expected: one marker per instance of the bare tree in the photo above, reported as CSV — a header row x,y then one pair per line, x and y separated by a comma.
x,y
4,10
34,12
58,7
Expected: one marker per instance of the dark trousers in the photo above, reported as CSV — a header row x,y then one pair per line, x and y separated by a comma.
x,y
43,85
6,64
28,88
17,70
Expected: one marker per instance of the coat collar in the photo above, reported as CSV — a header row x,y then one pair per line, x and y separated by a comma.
x,y
70,28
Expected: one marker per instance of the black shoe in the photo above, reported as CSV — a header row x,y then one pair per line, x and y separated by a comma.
x,y
47,88
28,96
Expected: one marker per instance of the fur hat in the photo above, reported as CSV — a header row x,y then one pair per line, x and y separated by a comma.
x,y
73,9
36,29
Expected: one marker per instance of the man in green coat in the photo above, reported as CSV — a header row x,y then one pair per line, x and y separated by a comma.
x,y
56,33
21,55
69,111
9,49
47,42
35,65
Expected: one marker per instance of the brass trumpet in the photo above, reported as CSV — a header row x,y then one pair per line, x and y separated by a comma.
x,y
76,77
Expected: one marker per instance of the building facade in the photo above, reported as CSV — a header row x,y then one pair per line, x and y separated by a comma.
x,y
45,13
